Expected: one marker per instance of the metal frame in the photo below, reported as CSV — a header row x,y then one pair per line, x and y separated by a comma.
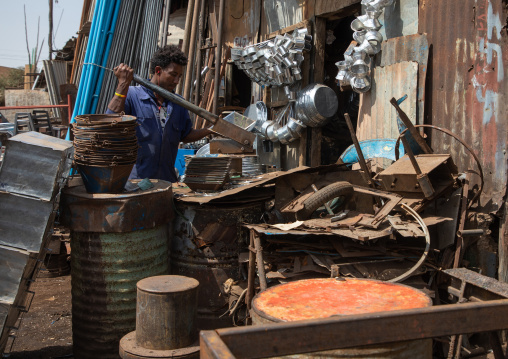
x,y
357,330
68,106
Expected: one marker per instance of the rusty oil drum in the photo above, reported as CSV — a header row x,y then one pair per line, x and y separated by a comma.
x,y
323,298
206,243
116,240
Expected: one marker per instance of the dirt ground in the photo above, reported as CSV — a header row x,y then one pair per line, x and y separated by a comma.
x,y
46,330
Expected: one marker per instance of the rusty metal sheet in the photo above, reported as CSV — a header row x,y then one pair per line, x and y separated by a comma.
x,y
377,118
409,48
127,212
468,86
24,222
34,165
401,175
291,301
323,226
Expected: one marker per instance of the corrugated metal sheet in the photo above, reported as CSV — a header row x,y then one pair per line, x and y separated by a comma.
x,y
467,88
377,118
408,48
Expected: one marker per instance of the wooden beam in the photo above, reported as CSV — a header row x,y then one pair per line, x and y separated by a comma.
x,y
326,7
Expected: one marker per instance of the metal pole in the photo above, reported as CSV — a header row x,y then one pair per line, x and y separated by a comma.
x,y
50,39
218,58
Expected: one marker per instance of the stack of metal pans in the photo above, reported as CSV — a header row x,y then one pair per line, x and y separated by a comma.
x,y
106,149
207,173
251,167
316,104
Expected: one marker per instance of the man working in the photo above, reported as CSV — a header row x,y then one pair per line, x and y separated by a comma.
x,y
162,125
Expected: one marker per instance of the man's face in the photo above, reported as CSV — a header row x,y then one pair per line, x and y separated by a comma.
x,y
170,76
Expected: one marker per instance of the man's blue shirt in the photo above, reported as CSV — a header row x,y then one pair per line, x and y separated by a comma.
x,y
158,147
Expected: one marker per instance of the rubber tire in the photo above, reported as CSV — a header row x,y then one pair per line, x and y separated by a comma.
x,y
325,194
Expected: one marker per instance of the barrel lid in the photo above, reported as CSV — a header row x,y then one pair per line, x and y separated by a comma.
x,y
167,284
322,298
79,191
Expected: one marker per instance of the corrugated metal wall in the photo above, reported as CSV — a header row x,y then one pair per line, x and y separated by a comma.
x,y
467,84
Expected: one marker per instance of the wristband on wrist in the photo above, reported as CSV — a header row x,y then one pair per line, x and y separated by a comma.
x,y
120,95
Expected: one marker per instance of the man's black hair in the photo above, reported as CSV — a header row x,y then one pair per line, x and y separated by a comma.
x,y
167,55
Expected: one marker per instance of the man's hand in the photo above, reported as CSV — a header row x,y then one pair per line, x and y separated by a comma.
x,y
124,73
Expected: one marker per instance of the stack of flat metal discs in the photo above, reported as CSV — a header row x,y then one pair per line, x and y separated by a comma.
x,y
207,173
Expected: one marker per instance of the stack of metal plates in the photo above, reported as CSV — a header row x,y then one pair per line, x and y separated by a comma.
x,y
208,173
105,140
34,170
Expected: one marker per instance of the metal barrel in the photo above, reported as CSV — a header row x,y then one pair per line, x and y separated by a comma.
x,y
205,247
322,298
116,240
166,312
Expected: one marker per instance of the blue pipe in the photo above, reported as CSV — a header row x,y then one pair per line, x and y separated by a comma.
x,y
98,49
104,61
84,71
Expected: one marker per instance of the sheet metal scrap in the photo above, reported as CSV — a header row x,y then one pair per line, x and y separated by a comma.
x,y
211,173
33,172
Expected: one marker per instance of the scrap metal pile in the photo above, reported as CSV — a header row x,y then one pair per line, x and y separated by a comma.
x,y
397,224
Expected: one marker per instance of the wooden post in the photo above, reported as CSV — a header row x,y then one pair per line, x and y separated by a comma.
x,y
28,78
186,36
192,52
319,77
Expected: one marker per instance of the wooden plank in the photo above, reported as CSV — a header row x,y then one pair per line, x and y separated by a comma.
x,y
324,7
319,77
356,330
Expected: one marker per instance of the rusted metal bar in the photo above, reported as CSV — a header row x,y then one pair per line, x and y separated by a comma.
x,y
357,330
480,287
252,271
212,347
31,107
259,261
456,340
218,58
361,160
422,178
496,346
459,251
407,122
